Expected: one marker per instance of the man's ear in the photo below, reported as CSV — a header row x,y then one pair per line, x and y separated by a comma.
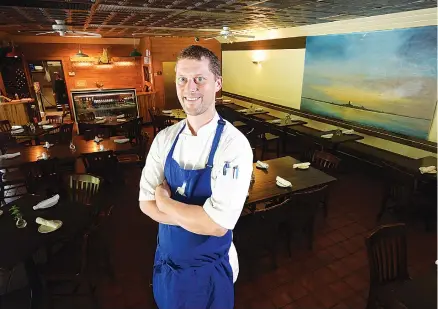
x,y
218,84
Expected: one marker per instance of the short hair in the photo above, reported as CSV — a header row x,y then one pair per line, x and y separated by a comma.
x,y
198,52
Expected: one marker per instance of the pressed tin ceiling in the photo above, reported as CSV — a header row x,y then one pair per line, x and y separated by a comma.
x,y
123,18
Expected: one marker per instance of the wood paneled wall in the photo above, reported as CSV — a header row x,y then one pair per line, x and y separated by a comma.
x,y
166,50
85,77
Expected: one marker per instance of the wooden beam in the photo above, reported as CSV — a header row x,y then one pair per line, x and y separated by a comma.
x,y
90,16
59,39
286,43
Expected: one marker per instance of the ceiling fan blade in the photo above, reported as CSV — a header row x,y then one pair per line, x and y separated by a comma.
x,y
244,36
211,38
72,33
43,33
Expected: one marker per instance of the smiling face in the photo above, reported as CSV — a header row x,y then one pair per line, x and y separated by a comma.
x,y
196,85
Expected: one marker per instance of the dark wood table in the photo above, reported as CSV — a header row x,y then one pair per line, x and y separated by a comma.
x,y
265,188
110,122
333,142
249,112
233,106
284,122
37,133
420,292
18,245
62,151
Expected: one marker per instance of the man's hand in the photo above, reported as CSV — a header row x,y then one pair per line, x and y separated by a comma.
x,y
162,192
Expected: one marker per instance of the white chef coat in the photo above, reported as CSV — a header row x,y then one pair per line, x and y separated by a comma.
x,y
191,152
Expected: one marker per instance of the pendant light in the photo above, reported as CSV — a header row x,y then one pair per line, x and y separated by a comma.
x,y
80,53
135,52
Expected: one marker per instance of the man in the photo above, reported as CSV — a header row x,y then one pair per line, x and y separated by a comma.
x,y
59,91
195,183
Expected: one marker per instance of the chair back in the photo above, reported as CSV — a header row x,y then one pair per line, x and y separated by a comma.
x,y
83,188
52,138
387,255
142,146
6,140
54,119
5,126
161,122
399,185
103,164
325,160
42,173
66,132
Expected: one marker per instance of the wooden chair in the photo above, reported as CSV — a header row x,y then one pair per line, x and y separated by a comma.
x,y
258,133
325,161
103,164
83,188
159,122
54,118
387,259
139,155
5,126
66,132
300,216
43,176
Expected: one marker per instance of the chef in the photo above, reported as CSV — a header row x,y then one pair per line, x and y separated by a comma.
x,y
194,184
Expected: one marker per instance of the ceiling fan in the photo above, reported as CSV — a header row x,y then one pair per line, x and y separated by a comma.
x,y
61,28
228,35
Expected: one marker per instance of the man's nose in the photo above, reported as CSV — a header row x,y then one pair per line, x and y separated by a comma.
x,y
191,85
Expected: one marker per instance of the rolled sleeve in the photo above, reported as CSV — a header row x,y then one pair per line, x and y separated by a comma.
x,y
153,171
229,193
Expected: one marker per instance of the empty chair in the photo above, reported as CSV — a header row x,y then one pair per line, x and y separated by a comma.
x,y
54,119
258,133
66,132
5,126
139,152
325,161
159,122
83,188
387,259
103,164
42,176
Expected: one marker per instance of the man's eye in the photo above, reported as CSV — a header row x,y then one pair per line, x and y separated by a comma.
x,y
200,79
181,80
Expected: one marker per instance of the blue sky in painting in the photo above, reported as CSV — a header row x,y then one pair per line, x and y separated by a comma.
x,y
393,71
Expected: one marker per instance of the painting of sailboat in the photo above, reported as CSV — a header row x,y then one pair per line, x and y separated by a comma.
x,y
383,79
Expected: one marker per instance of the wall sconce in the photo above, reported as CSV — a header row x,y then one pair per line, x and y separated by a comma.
x,y
257,62
258,56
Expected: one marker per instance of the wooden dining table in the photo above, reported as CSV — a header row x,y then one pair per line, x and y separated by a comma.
x,y
284,122
37,133
62,151
332,142
18,244
264,188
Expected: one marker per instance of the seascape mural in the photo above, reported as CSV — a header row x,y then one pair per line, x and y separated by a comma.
x,y
382,79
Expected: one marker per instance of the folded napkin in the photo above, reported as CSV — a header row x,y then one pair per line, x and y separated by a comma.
x,y
17,131
99,118
45,222
121,140
48,145
276,121
282,182
16,127
10,155
243,110
262,165
98,139
330,135
48,126
226,101
301,165
121,116
43,122
121,119
258,109
351,131
47,203
100,121
167,111
428,169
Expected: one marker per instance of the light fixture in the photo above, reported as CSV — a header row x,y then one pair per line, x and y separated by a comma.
x,y
80,53
258,56
135,52
257,62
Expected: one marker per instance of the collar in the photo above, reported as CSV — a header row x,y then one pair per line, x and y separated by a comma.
x,y
206,129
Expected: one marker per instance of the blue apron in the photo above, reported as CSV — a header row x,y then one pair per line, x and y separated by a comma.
x,y
192,271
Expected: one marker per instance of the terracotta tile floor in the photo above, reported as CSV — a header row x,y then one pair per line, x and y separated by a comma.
x,y
333,275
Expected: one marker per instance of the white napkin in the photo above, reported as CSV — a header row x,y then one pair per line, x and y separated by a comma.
x,y
167,111
121,119
243,110
226,101
43,122
121,116
45,222
10,155
301,165
48,126
47,203
276,121
428,169
262,165
100,121
282,182
97,139
47,146
16,127
258,109
99,118
351,131
330,135
121,140
17,131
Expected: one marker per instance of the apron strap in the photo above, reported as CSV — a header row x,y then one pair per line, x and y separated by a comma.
x,y
217,136
170,155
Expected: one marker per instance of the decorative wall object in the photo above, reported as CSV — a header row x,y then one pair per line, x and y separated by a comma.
x,y
383,79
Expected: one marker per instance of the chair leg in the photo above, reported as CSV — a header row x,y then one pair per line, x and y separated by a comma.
x,y
278,148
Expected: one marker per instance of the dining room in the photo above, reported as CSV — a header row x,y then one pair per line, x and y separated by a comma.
x,y
337,104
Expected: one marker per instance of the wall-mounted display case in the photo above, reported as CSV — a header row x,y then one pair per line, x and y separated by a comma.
x,y
105,102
